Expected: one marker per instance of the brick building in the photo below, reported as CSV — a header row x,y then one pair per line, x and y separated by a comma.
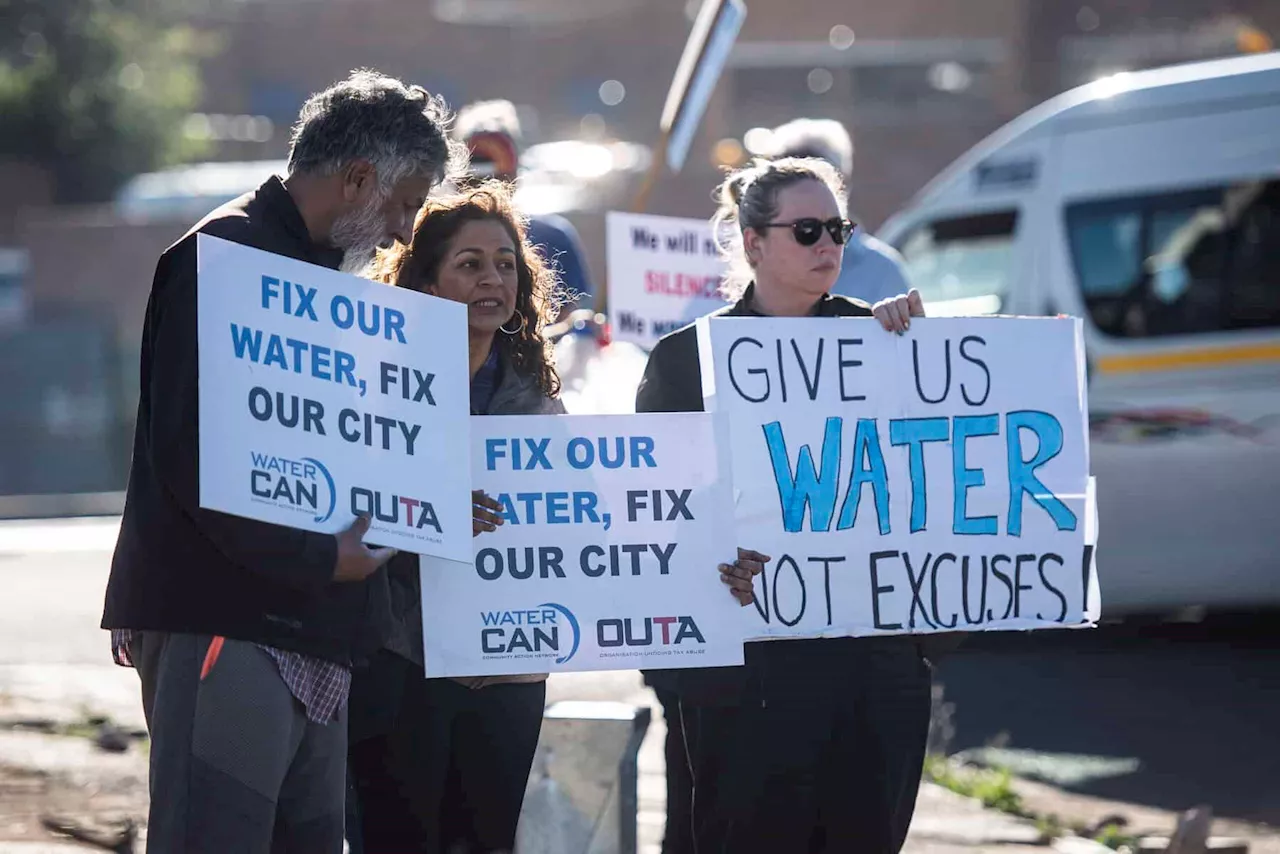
x,y
917,82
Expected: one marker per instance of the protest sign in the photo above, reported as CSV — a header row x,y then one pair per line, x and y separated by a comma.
x,y
614,526
710,42
324,395
663,273
928,482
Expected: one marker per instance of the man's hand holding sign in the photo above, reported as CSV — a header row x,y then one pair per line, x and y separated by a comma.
x,y
486,513
741,574
357,560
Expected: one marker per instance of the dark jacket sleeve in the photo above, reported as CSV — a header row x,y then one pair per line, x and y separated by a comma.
x,y
299,559
649,394
671,381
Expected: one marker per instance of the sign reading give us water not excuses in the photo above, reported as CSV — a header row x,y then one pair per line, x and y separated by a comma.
x,y
324,396
928,482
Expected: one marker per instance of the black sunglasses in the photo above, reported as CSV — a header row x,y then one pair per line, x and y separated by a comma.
x,y
808,230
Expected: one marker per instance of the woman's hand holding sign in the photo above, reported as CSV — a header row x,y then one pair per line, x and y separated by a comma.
x,y
740,575
485,513
895,313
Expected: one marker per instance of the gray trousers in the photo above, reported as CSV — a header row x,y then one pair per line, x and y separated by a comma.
x,y
235,764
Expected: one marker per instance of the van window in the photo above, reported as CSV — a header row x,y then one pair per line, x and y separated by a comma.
x,y
1180,263
967,258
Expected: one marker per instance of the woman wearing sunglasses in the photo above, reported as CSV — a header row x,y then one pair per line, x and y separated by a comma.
x,y
812,745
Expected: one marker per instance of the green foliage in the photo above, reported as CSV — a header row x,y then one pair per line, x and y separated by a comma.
x,y
1050,827
994,788
96,90
1115,838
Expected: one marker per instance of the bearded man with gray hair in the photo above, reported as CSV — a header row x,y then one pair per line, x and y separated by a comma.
x,y
871,270
243,633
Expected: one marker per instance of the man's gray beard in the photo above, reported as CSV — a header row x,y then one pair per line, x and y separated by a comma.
x,y
356,263
358,234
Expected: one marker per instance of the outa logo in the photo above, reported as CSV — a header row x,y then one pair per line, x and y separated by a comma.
x,y
633,632
394,509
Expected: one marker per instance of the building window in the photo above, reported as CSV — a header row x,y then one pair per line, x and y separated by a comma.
x,y
766,94
912,81
1176,264
963,265
893,93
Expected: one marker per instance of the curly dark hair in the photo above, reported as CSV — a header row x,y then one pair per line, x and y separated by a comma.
x,y
538,293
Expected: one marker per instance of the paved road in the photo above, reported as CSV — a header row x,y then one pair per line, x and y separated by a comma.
x,y
1197,707
52,578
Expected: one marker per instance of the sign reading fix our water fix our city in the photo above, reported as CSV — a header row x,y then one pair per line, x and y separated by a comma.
x,y
928,482
607,559
324,395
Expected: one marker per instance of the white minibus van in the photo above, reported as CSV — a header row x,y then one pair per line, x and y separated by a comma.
x,y
1147,204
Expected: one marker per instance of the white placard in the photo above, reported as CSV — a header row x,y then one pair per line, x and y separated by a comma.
x,y
608,557
323,395
927,482
663,273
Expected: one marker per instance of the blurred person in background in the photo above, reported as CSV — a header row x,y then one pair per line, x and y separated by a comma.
x,y
491,131
872,270
844,720
441,765
242,632
598,374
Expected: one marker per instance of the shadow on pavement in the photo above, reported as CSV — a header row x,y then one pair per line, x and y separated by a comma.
x,y
1197,705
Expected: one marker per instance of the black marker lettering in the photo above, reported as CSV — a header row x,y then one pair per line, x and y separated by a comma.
x,y
955,618
877,588
1055,591
795,567
915,361
845,396
964,389
826,578
916,584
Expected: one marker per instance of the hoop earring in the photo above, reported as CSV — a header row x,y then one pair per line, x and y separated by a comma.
x,y
518,329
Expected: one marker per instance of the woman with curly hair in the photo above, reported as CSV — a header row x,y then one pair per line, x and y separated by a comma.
x,y
440,765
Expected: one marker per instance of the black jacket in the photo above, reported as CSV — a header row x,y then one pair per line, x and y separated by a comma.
x,y
672,382
180,568
516,394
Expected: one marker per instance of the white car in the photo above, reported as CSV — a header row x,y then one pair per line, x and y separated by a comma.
x,y
1149,205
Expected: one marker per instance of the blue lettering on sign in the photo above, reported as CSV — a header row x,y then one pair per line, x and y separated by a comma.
x,y
813,486
295,300
293,483
532,631
964,477
372,319
804,487
866,449
557,508
914,432
315,360
1022,477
